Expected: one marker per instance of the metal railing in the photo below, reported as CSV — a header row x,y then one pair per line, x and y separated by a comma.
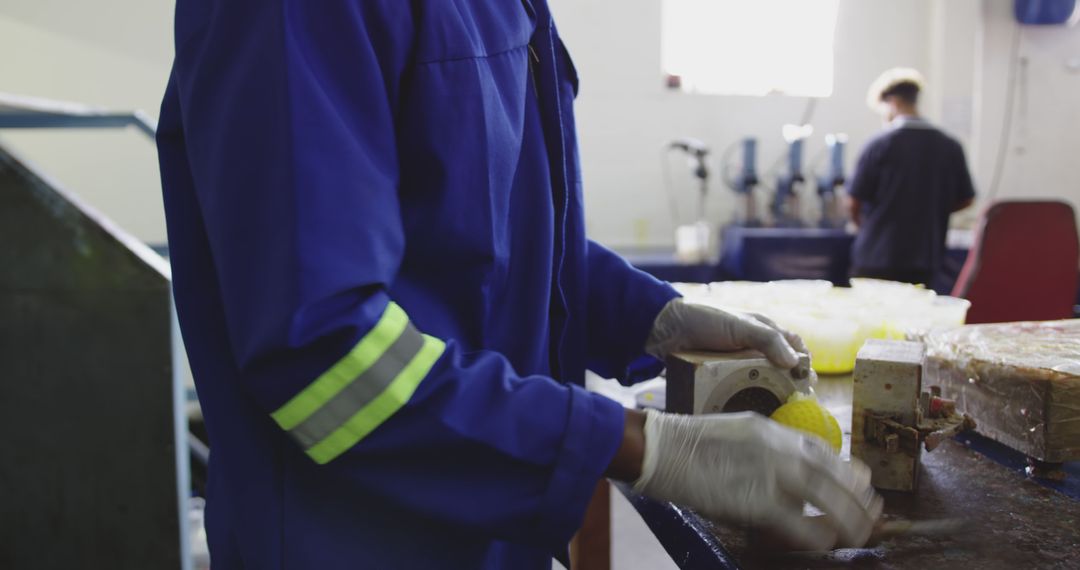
x,y
18,112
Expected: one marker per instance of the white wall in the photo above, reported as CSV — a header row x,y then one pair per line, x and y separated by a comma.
x,y
108,53
1040,157
954,27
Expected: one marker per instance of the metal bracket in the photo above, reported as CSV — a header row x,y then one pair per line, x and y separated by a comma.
x,y
938,421
936,430
890,434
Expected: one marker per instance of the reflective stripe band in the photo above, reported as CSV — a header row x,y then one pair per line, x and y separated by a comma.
x,y
359,359
382,407
363,389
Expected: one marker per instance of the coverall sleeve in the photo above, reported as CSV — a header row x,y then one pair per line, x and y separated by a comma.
x,y
288,121
623,304
864,182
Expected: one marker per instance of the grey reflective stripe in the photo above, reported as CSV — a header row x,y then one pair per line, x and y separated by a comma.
x,y
362,390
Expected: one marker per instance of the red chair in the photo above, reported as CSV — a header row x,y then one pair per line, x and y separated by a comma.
x,y
1023,265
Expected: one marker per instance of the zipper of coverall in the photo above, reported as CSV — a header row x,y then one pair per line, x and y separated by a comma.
x,y
553,345
533,59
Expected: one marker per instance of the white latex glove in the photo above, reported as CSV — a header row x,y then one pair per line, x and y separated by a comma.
x,y
688,326
747,469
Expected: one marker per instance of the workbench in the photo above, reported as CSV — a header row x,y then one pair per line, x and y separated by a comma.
x,y
769,254
1016,522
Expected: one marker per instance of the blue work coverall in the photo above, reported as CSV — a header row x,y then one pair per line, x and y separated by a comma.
x,y
384,285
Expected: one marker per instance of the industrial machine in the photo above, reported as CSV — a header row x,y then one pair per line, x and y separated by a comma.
x,y
710,382
829,184
740,175
893,418
745,183
786,211
693,242
698,154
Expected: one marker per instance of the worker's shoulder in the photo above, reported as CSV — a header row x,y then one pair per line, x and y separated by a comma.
x,y
942,141
951,141
879,143
922,133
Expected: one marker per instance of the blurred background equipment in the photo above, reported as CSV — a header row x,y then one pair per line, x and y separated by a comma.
x,y
744,183
697,154
693,241
830,186
786,204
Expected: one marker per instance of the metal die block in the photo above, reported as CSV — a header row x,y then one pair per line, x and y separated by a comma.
x,y
885,412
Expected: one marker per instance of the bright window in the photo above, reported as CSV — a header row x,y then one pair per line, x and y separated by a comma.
x,y
749,47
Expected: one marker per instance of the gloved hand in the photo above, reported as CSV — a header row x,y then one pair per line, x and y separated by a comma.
x,y
747,469
685,326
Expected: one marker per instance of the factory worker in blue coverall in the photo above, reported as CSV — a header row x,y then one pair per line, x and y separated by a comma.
x,y
389,302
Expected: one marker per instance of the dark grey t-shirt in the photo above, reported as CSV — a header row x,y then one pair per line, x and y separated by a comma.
x,y
909,179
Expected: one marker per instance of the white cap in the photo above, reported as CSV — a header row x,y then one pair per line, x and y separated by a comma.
x,y
888,80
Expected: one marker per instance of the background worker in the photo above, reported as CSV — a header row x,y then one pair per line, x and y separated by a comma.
x,y
389,302
908,181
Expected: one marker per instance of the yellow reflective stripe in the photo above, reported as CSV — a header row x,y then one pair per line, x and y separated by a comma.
x,y
353,364
382,407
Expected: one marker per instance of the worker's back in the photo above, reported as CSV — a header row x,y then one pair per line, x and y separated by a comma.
x,y
908,181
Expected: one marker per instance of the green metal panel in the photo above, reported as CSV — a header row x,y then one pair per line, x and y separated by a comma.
x,y
90,473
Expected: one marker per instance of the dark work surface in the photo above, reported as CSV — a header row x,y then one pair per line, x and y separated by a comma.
x,y
689,539
1067,482
1016,522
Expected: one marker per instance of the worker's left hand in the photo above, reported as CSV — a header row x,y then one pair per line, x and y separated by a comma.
x,y
687,326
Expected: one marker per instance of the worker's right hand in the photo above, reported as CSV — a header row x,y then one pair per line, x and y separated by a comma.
x,y
745,468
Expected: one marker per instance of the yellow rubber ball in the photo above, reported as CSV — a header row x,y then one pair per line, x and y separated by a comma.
x,y
805,414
